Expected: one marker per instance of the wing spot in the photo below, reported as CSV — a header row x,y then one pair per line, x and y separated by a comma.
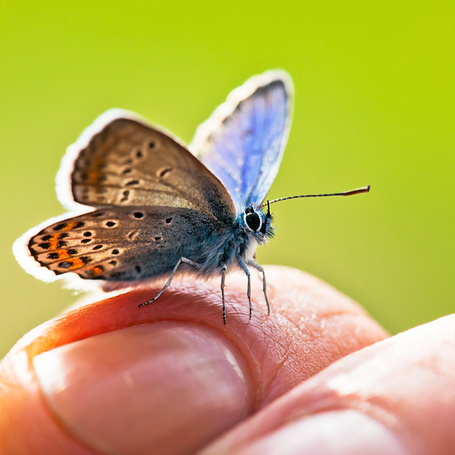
x,y
45,238
139,154
138,268
72,252
53,256
113,263
97,247
65,264
132,182
97,214
111,224
168,220
87,234
132,235
44,246
157,238
138,215
127,171
126,194
86,240
59,227
162,172
61,244
115,251
152,145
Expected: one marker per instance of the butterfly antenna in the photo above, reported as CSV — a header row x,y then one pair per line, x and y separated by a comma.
x,y
364,189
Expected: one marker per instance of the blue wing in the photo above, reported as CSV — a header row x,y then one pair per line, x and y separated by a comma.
x,y
243,141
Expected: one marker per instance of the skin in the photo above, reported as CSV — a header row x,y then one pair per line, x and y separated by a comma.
x,y
316,376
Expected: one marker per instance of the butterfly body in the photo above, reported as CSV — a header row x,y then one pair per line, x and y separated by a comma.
x,y
144,206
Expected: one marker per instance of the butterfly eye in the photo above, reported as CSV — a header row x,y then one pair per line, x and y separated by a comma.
x,y
253,221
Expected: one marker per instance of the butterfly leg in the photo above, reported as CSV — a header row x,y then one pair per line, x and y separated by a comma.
x,y
223,277
168,282
264,283
247,272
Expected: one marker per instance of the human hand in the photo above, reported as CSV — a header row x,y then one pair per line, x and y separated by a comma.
x,y
172,379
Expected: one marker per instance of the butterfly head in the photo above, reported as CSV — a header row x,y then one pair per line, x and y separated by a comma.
x,y
257,223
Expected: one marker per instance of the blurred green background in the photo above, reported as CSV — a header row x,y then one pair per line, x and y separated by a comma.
x,y
374,105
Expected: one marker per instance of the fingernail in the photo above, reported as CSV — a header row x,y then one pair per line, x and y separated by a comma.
x,y
163,387
329,433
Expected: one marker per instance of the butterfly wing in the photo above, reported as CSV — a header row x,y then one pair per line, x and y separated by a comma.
x,y
122,168
122,161
120,245
243,141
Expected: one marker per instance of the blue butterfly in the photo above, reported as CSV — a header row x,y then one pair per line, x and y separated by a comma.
x,y
144,206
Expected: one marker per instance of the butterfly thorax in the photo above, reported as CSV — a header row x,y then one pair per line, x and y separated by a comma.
x,y
256,228
251,228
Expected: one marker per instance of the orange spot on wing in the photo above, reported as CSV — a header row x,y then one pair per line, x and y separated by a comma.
x,y
93,177
53,242
70,226
95,271
95,166
63,254
77,263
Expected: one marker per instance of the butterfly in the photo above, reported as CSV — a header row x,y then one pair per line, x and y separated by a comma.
x,y
145,206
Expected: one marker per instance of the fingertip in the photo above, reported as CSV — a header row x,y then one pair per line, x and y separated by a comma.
x,y
147,382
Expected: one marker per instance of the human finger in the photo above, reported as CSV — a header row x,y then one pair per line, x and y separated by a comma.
x,y
395,397
111,378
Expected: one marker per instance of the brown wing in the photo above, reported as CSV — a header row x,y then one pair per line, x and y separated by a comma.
x,y
128,163
123,243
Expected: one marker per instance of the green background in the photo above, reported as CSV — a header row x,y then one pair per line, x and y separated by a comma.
x,y
374,105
